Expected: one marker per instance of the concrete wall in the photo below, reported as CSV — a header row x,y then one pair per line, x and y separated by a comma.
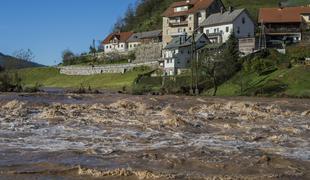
x,y
89,70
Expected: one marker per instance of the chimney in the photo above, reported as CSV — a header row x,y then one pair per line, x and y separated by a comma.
x,y
280,5
231,9
222,10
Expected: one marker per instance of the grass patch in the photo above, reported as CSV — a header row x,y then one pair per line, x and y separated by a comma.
x,y
293,82
50,77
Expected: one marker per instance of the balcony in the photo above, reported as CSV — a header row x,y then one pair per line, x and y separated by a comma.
x,y
178,23
282,30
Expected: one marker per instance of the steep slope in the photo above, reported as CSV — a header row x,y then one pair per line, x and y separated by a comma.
x,y
147,14
9,62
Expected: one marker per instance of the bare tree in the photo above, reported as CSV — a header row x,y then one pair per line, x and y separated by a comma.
x,y
214,66
26,55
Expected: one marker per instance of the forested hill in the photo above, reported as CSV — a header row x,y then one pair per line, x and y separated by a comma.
x,y
146,14
9,62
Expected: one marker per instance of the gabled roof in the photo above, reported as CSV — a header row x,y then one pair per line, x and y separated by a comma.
x,y
136,37
176,42
282,15
195,6
121,36
226,17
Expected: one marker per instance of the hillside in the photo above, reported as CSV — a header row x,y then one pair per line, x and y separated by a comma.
x,y
147,13
9,62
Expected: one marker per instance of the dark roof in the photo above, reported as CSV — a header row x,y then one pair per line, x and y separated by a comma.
x,y
121,36
282,15
195,6
177,43
226,17
136,37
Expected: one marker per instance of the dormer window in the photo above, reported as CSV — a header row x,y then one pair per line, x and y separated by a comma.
x,y
181,8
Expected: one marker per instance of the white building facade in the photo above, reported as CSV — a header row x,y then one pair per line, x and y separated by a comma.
x,y
116,42
177,54
218,27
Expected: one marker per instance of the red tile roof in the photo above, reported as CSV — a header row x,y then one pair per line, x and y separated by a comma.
x,y
197,5
122,36
282,15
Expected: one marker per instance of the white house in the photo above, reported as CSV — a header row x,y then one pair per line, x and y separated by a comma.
x,y
218,27
116,42
177,53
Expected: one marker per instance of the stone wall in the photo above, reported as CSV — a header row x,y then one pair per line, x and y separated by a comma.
x,y
91,70
148,52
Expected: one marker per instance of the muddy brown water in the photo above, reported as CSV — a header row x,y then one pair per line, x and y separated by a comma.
x,y
114,136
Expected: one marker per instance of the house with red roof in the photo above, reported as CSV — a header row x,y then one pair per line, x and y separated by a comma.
x,y
284,23
185,16
116,42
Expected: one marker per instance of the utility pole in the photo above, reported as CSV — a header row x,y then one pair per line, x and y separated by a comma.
x,y
262,37
197,73
192,63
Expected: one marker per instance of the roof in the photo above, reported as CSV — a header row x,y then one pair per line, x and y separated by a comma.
x,y
222,18
282,15
177,43
122,36
196,5
136,37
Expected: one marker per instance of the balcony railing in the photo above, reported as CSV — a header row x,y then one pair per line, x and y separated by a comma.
x,y
214,34
283,30
178,23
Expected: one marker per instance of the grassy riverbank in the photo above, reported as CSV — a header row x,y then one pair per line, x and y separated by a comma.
x,y
293,82
50,77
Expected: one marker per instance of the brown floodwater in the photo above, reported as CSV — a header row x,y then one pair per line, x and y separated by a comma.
x,y
116,136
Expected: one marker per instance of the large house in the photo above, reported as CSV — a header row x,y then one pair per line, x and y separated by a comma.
x,y
219,26
284,23
116,42
144,38
178,53
186,16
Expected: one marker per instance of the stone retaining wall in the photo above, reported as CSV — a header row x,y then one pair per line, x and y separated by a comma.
x,y
91,70
148,52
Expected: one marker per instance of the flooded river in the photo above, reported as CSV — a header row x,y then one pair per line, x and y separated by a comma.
x,y
114,136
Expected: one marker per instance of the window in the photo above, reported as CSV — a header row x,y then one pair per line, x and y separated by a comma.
x,y
122,45
107,47
227,29
207,31
110,46
243,20
190,28
238,30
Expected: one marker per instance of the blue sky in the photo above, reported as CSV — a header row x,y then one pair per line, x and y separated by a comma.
x,y
48,27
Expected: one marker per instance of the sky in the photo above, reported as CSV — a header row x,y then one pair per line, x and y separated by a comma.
x,y
48,27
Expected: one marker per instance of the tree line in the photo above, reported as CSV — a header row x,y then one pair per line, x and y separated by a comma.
x,y
145,15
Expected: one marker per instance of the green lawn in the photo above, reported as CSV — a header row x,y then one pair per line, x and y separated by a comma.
x,y
50,77
297,80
